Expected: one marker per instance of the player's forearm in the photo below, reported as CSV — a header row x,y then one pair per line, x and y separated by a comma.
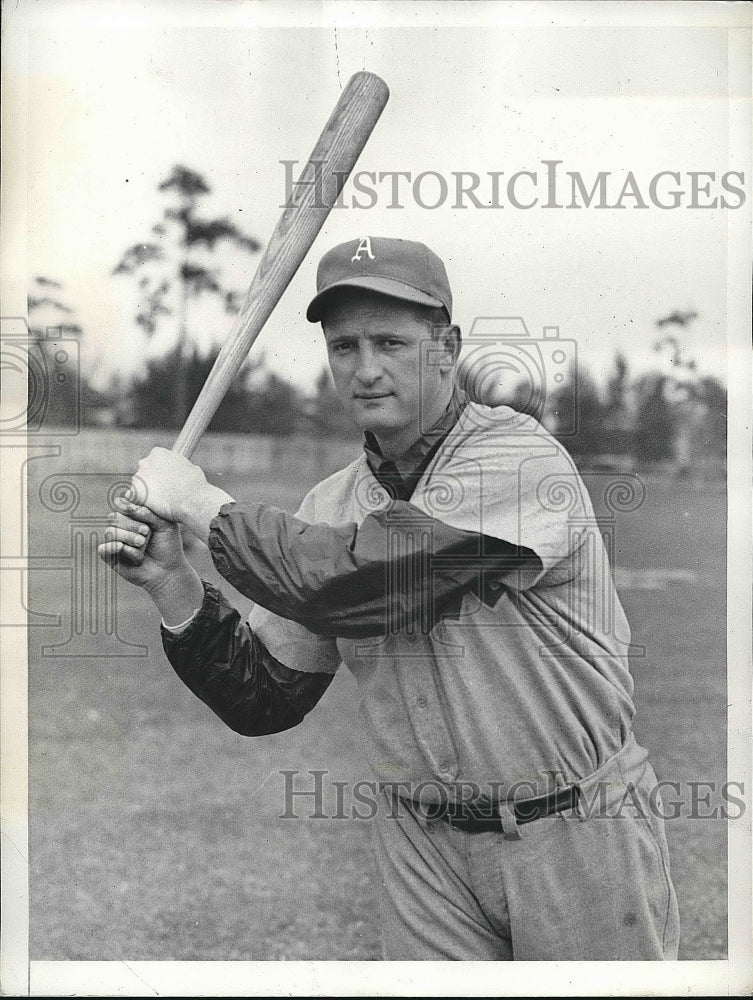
x,y
177,595
220,659
350,581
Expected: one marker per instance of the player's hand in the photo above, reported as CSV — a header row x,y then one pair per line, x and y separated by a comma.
x,y
142,547
177,490
164,480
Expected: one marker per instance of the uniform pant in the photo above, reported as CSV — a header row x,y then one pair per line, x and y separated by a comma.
x,y
589,884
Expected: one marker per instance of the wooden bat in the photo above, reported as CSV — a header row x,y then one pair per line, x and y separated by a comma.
x,y
311,200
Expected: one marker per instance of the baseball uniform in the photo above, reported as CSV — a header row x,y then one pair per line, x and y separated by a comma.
x,y
467,588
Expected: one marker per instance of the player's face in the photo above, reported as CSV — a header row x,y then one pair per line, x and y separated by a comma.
x,y
393,379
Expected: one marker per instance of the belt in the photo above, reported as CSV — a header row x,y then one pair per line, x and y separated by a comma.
x,y
484,815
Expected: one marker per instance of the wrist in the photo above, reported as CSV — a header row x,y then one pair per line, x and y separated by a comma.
x,y
200,509
177,594
170,578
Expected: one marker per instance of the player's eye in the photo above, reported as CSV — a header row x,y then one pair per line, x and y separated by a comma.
x,y
341,347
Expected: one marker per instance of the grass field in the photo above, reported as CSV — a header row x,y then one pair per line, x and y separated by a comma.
x,y
156,832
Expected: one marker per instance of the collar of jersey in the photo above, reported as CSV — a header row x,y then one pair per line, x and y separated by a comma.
x,y
405,470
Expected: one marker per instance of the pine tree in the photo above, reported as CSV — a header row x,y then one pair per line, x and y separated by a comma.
x,y
170,274
577,406
654,421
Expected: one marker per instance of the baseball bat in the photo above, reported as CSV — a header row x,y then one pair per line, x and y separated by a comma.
x,y
313,195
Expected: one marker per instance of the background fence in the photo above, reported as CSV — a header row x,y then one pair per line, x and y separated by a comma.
x,y
230,455
220,455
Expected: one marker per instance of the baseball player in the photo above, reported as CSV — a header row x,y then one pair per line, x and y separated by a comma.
x,y
518,816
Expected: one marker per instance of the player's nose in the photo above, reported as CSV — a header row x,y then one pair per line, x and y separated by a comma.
x,y
368,369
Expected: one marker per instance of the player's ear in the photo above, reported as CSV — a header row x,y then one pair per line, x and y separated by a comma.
x,y
450,338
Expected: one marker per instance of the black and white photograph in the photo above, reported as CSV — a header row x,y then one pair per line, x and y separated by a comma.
x,y
376,549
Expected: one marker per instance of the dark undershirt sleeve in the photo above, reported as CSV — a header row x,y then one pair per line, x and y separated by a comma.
x,y
220,659
399,566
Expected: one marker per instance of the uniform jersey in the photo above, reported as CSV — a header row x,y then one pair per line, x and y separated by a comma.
x,y
471,596
527,672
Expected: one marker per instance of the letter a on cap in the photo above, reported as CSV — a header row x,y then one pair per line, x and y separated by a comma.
x,y
364,246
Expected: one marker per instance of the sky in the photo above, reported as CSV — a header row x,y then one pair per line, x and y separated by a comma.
x,y
106,98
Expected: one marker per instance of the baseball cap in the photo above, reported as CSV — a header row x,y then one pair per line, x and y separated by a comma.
x,y
401,269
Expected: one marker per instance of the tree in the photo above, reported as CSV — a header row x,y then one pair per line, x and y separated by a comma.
x,y
683,367
697,405
654,420
274,406
577,404
41,297
617,387
713,430
677,318
524,400
170,275
327,415
618,419
270,406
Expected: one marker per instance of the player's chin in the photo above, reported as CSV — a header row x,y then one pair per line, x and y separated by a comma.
x,y
379,412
